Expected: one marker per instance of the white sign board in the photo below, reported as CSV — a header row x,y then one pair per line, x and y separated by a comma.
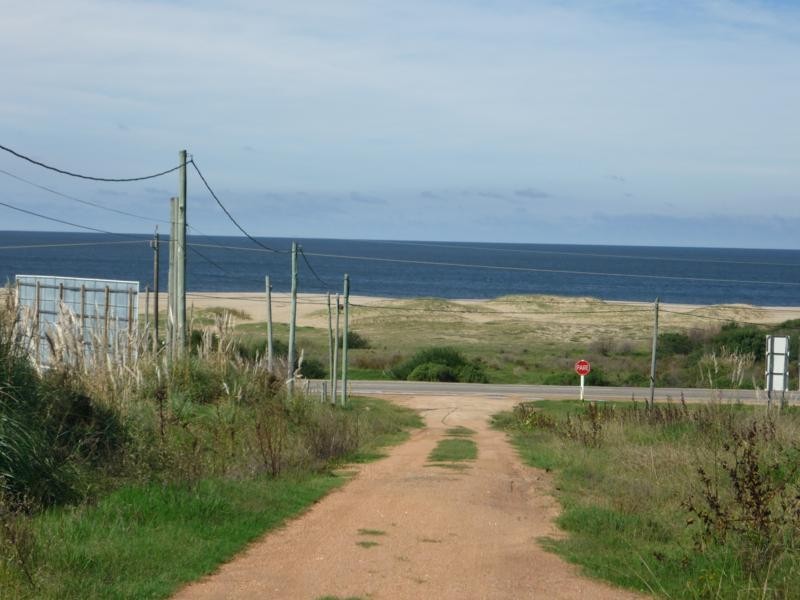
x,y
777,364
102,308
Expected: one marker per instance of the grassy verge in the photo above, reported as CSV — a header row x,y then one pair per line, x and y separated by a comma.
x,y
454,450
681,502
144,540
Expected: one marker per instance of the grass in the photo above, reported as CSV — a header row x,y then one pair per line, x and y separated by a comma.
x,y
367,544
371,532
146,541
453,450
460,431
636,507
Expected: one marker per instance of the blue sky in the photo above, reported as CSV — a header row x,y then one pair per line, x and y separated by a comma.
x,y
614,122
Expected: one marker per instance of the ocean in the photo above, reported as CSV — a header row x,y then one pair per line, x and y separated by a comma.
x,y
432,269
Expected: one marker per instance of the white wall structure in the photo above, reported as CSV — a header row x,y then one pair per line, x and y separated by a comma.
x,y
777,365
93,309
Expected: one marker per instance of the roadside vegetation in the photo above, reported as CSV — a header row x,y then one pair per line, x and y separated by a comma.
x,y
132,475
681,501
441,340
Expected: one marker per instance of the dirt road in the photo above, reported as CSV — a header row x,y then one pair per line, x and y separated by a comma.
x,y
405,529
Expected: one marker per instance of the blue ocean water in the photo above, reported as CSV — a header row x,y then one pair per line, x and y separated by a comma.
x,y
472,270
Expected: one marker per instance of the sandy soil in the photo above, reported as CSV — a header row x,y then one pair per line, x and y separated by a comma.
x,y
447,534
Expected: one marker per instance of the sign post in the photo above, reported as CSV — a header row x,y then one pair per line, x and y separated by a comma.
x,y
583,368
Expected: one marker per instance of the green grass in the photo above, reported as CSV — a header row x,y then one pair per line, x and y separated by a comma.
x,y
367,544
371,532
146,541
460,431
453,450
623,499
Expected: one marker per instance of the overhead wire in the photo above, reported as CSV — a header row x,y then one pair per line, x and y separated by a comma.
x,y
71,244
227,212
89,177
86,202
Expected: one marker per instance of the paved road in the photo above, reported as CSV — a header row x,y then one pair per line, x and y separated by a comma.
x,y
555,392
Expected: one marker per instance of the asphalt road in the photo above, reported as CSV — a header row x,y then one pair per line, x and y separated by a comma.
x,y
555,392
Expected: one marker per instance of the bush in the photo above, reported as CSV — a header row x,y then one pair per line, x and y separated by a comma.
x,y
674,343
747,339
472,374
252,348
355,341
312,368
449,357
432,372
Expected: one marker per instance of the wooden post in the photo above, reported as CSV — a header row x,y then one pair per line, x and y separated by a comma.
x,y
335,356
83,311
37,307
292,322
653,357
345,337
147,308
173,207
270,347
156,264
331,364
180,262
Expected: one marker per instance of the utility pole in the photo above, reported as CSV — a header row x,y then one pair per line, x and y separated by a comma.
x,y
156,260
270,355
345,337
336,355
181,256
331,365
653,358
292,321
171,284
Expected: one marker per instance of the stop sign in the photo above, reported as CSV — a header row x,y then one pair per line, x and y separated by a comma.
x,y
582,367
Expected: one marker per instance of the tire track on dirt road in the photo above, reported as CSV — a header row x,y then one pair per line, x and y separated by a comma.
x,y
403,528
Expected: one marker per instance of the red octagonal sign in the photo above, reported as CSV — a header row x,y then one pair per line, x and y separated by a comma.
x,y
582,367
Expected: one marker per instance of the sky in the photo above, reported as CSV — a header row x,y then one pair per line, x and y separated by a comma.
x,y
574,121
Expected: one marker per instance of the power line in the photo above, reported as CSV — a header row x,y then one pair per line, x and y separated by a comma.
x,y
89,177
86,202
523,269
589,254
72,244
227,212
63,222
540,270
325,285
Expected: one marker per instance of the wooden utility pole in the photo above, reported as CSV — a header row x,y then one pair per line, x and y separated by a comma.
x,y
270,355
336,354
653,357
345,337
156,264
331,365
171,285
292,321
180,257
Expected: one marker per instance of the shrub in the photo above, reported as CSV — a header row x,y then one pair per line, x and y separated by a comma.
x,y
472,373
432,372
747,339
312,368
355,341
674,343
449,357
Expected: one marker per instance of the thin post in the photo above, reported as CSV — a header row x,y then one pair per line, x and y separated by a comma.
x,y
292,321
156,264
171,304
336,354
345,337
146,308
36,309
270,347
331,364
105,319
83,310
181,256
654,354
